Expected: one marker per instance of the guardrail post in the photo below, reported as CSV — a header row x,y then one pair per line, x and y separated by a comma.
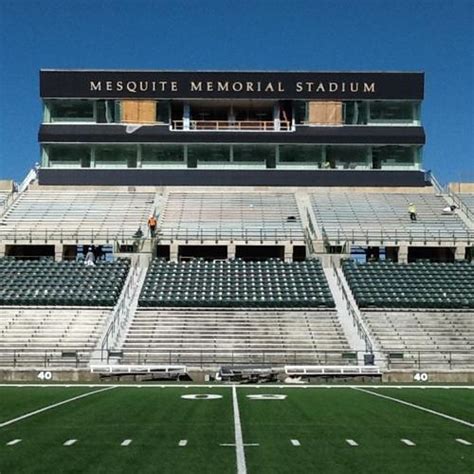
x,y
419,360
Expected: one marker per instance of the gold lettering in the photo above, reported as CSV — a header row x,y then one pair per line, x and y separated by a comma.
x,y
108,85
237,86
369,87
333,86
320,87
95,86
269,87
210,86
131,86
174,86
299,87
196,86
222,86
249,87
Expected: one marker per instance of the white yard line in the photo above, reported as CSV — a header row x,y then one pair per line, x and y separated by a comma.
x,y
463,441
418,407
295,442
13,442
408,442
69,442
49,407
351,442
289,386
239,442
126,442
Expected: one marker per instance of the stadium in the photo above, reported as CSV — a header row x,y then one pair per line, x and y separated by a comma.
x,y
196,247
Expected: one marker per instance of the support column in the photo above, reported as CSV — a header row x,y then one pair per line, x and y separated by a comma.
x,y
460,252
58,252
173,252
276,116
403,254
288,253
186,116
231,251
2,250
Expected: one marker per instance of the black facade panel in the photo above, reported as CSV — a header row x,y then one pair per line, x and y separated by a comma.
x,y
162,134
134,177
232,85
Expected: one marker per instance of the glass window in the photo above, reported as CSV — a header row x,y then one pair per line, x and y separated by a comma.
x,y
306,154
254,153
355,113
208,154
116,156
394,157
346,157
71,111
392,111
162,154
300,111
68,156
106,111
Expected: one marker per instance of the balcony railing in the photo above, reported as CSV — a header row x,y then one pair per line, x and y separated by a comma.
x,y
225,125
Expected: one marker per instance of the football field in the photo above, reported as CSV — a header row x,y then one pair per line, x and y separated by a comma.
x,y
236,429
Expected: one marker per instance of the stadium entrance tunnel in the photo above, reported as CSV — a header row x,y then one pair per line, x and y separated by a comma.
x,y
30,252
163,251
259,252
207,252
433,254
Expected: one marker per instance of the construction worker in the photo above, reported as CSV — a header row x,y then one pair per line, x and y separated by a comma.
x,y
412,211
152,225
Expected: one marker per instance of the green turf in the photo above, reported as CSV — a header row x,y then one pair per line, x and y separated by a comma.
x,y
17,401
458,403
323,419
157,418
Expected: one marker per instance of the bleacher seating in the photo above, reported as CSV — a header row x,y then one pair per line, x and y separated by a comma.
x,y
438,338
42,337
244,216
384,216
236,283
414,285
78,214
3,198
468,201
46,282
239,336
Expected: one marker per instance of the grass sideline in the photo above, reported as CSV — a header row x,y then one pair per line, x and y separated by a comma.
x,y
156,419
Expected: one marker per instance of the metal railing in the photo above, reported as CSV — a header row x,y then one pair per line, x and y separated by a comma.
x,y
339,237
59,235
410,359
216,234
461,205
353,312
121,312
241,125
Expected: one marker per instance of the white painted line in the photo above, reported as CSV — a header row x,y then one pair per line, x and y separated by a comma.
x,y
183,442
126,442
351,442
49,407
13,442
69,442
463,441
295,442
407,442
239,442
289,386
437,413
234,445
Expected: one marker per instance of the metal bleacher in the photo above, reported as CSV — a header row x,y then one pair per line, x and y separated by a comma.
x,y
231,215
443,339
57,214
49,336
375,217
193,336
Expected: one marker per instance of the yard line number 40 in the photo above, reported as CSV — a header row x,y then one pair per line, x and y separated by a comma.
x,y
45,375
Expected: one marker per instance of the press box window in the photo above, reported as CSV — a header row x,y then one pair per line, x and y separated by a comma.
x,y
71,111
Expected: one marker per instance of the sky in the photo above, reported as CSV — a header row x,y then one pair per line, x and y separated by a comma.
x,y
434,36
